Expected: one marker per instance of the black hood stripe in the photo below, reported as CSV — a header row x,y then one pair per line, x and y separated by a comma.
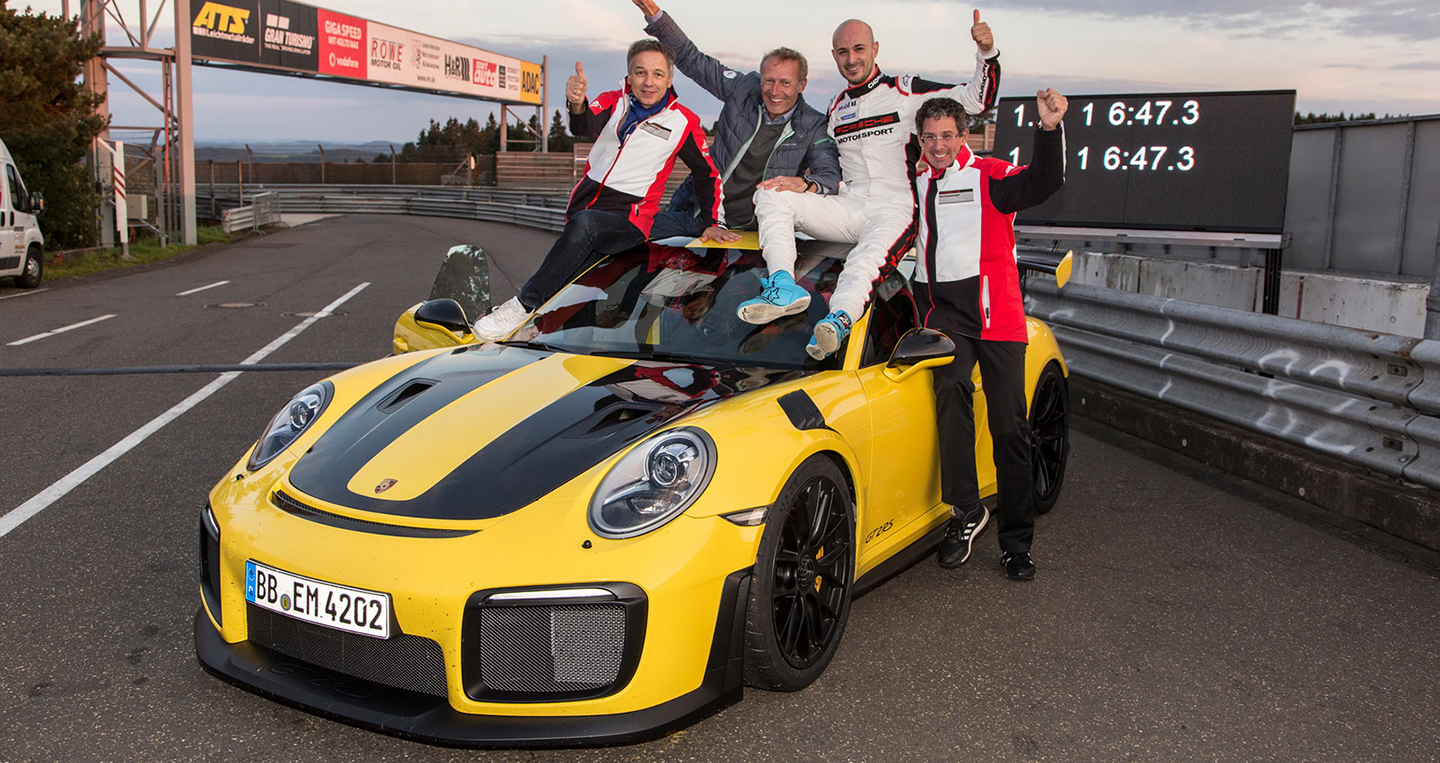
x,y
544,451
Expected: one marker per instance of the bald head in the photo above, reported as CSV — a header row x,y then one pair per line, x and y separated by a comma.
x,y
854,48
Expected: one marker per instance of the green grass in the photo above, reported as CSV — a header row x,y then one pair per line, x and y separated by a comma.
x,y
141,253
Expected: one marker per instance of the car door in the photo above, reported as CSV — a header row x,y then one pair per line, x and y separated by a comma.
x,y
12,237
903,490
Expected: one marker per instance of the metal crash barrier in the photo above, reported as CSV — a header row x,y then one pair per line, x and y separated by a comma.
x,y
545,211
263,209
1367,398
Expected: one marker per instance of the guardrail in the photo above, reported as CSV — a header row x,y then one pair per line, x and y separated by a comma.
x,y
263,209
536,209
1367,398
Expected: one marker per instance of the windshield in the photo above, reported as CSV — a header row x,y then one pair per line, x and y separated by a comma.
x,y
673,303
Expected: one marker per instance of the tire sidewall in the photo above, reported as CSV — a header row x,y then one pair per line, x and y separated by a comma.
x,y
1042,503
765,665
27,280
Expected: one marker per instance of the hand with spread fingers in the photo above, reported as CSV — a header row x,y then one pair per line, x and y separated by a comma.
x,y
717,235
981,34
1052,107
785,183
575,89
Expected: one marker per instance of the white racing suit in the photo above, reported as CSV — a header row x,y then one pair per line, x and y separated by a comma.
x,y
874,126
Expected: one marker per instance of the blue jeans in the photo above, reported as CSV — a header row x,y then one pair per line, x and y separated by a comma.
x,y
589,237
682,218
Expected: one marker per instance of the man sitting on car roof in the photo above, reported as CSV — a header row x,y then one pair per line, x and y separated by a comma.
x,y
641,130
767,135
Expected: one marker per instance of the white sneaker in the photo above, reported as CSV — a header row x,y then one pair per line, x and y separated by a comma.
x,y
501,321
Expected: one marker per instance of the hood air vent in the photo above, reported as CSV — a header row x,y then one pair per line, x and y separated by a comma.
x,y
411,389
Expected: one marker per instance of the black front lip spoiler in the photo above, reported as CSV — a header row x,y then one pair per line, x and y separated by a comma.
x,y
430,719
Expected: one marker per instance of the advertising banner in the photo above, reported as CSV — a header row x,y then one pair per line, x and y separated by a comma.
x,y
290,36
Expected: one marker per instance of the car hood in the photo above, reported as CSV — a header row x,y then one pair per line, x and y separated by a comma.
x,y
477,433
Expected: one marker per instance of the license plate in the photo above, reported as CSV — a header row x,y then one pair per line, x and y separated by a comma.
x,y
353,610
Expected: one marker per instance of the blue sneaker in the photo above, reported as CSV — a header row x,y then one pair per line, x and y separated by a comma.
x,y
830,333
779,296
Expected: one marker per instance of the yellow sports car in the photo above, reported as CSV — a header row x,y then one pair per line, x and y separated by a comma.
x,y
599,530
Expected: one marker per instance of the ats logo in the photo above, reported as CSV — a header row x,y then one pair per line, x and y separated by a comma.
x,y
457,67
222,22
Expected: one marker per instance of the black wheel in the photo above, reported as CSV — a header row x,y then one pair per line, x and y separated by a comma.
x,y
1049,436
804,574
34,264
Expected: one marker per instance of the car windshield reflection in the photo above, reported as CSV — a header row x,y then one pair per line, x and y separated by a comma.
x,y
678,304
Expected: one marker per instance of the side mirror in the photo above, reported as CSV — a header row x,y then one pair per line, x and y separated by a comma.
x,y
917,350
445,313
37,202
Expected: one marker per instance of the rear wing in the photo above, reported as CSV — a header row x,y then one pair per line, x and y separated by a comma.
x,y
1045,261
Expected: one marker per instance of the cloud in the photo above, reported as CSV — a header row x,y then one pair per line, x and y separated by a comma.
x,y
1416,20
1418,66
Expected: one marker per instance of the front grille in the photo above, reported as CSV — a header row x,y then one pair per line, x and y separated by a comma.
x,y
404,661
552,644
551,649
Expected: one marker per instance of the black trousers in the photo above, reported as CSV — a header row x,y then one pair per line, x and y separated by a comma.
x,y
1002,372
589,236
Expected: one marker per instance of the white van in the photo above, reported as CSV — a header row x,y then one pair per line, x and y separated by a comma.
x,y
22,248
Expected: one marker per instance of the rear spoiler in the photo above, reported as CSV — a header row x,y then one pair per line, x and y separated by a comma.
x,y
1046,261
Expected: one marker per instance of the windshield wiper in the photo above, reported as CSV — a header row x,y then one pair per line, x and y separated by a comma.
x,y
531,344
665,356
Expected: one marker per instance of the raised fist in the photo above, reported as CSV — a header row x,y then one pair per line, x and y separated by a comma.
x,y
1052,107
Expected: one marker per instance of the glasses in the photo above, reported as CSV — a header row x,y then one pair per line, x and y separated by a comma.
x,y
948,137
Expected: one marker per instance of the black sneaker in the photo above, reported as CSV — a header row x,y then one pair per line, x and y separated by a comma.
x,y
1018,565
960,536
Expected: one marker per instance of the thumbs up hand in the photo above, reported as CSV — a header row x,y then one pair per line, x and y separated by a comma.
x,y
575,88
981,34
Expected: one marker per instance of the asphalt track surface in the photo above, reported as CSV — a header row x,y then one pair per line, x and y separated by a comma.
x,y
1179,614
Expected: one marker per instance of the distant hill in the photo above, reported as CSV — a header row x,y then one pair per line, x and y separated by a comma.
x,y
290,151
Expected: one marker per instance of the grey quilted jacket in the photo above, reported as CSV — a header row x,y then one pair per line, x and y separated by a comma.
x,y
805,145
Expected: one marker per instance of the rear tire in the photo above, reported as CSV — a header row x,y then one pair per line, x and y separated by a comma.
x,y
34,265
804,574
1049,436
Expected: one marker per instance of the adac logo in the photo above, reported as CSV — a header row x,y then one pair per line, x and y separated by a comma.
x,y
222,21
384,485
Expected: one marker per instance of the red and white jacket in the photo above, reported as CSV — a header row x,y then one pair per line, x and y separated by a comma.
x,y
966,277
628,176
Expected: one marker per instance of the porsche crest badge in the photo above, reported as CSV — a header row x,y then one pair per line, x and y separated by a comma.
x,y
384,485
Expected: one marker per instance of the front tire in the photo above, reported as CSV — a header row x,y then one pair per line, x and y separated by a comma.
x,y
804,574
1049,436
34,265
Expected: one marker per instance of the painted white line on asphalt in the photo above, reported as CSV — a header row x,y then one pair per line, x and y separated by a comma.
x,y
25,293
74,479
201,288
61,330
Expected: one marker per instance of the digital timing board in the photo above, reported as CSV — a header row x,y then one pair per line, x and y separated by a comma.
x,y
1163,161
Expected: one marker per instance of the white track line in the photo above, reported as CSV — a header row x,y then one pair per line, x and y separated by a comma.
x,y
201,288
25,293
60,330
74,479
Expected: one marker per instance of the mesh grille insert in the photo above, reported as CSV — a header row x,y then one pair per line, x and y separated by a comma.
x,y
405,662
551,649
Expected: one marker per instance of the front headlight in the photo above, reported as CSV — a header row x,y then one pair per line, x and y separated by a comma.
x,y
294,418
653,483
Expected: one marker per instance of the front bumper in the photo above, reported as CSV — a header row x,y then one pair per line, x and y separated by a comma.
x,y
431,719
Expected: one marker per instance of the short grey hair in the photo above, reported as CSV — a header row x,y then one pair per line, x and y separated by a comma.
x,y
788,54
649,45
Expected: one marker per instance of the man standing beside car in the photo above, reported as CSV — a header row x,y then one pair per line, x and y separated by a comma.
x,y
967,284
871,122
640,131
767,135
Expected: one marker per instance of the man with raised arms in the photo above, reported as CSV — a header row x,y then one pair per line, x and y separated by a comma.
x,y
872,122
767,134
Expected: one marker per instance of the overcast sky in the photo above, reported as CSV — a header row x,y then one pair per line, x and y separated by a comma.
x,y
1340,55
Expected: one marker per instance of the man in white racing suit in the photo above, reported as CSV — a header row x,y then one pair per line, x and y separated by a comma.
x,y
872,122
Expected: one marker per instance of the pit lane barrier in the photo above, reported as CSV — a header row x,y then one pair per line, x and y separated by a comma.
x,y
1366,398
536,209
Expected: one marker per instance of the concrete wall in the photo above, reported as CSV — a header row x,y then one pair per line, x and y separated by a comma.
x,y
1371,304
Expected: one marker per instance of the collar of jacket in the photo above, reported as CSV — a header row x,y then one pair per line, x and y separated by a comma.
x,y
670,96
963,158
876,80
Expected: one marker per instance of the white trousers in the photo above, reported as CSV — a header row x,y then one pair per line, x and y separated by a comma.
x,y
878,226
